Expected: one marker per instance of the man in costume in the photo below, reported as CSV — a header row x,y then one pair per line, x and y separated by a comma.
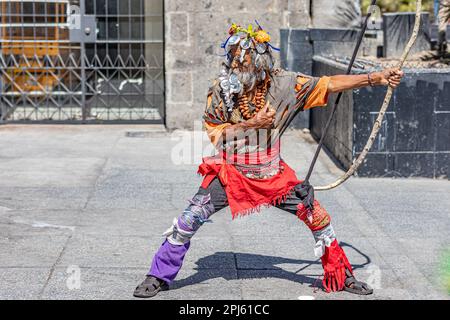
x,y
248,108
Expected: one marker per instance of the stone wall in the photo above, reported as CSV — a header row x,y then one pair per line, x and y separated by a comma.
x,y
336,13
194,31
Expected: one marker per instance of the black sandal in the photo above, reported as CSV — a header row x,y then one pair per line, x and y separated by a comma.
x,y
357,287
150,287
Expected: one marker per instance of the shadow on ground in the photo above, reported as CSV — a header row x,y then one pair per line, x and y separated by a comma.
x,y
269,262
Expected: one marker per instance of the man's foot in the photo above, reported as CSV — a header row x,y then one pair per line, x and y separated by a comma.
x,y
150,287
354,286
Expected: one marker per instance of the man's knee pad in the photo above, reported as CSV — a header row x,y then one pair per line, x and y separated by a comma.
x,y
316,219
195,215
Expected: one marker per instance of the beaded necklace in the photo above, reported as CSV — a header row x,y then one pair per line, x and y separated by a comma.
x,y
258,101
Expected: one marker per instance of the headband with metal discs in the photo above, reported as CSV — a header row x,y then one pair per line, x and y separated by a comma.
x,y
247,39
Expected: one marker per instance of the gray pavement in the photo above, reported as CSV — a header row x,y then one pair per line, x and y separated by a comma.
x,y
89,203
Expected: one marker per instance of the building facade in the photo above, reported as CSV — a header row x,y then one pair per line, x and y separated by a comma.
x,y
99,61
194,34
81,60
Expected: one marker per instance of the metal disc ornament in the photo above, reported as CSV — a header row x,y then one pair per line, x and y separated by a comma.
x,y
235,88
234,79
261,48
257,60
224,72
231,42
234,39
225,85
245,44
241,59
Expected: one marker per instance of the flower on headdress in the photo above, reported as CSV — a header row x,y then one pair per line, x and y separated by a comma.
x,y
262,36
233,29
258,36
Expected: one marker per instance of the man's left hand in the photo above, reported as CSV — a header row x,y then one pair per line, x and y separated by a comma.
x,y
391,77
305,192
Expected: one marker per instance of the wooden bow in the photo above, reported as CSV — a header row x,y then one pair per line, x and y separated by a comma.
x,y
384,106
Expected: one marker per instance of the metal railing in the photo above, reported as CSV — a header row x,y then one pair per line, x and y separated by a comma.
x,y
81,61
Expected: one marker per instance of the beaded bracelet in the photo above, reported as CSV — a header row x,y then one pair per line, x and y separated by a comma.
x,y
370,80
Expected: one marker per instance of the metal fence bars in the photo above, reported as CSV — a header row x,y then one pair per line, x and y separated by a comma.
x,y
81,60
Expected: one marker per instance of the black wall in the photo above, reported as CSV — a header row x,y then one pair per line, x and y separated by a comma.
x,y
414,140
298,46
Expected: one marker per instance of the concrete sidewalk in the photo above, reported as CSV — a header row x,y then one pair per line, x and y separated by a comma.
x,y
91,202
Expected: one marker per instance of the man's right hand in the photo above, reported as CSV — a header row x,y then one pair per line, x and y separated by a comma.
x,y
263,119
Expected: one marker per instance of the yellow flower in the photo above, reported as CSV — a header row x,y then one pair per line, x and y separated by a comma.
x,y
233,28
262,36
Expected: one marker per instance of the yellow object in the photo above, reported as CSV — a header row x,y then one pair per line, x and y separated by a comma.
x,y
318,96
31,45
262,36
259,35
215,131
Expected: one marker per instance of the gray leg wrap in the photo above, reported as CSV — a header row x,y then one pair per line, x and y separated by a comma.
x,y
195,215
324,238
176,235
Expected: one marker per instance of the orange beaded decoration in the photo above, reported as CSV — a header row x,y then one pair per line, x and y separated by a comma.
x,y
259,100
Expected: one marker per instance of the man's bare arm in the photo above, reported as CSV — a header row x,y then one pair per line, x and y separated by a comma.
x,y
265,117
391,77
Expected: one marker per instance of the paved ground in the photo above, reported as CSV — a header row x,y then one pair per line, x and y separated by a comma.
x,y
90,203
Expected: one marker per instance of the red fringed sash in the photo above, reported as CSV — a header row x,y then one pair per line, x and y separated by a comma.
x,y
246,195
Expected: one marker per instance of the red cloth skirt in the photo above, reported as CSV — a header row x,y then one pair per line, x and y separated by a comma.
x,y
246,195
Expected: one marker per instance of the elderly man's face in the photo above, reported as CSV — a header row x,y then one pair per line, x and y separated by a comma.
x,y
246,65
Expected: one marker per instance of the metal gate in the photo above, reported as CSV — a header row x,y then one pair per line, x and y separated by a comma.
x,y
81,61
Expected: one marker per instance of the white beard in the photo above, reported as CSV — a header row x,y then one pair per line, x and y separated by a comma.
x,y
248,79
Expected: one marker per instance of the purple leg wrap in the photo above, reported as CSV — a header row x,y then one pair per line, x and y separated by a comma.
x,y
168,261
